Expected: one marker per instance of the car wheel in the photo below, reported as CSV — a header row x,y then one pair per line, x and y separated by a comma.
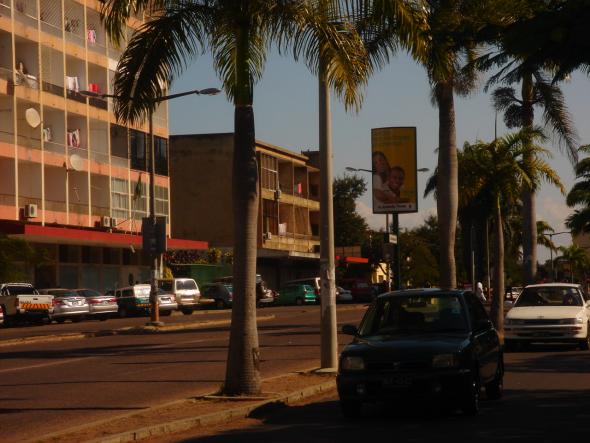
x,y
470,402
60,320
123,312
166,313
77,319
299,301
187,311
219,304
103,317
585,344
351,409
495,388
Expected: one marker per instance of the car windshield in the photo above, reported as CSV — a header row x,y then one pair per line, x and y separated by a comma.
x,y
91,293
186,284
549,296
62,293
420,313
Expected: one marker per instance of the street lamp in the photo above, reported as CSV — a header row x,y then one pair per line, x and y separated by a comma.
x,y
395,223
550,235
154,308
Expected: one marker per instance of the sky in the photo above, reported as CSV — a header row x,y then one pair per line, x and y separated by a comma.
x,y
286,114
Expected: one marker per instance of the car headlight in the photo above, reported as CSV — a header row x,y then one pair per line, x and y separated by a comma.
x,y
572,321
352,363
445,361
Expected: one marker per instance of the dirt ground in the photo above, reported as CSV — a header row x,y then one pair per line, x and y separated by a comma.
x,y
185,409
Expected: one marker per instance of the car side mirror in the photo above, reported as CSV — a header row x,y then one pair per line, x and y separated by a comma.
x,y
349,330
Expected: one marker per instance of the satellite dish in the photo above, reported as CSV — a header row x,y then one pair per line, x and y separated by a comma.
x,y
76,162
32,117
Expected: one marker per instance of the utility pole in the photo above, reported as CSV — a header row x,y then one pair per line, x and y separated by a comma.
x,y
329,338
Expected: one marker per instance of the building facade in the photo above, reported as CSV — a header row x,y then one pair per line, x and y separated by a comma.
x,y
288,210
73,181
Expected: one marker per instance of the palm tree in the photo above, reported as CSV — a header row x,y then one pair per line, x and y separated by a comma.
x,y
238,33
519,112
455,30
579,221
577,259
501,169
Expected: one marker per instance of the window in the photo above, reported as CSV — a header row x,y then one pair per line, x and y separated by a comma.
x,y
137,144
119,141
270,216
269,172
161,155
161,201
119,198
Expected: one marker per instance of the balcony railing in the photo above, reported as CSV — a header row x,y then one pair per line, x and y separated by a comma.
x,y
98,103
26,12
7,199
58,148
53,89
5,10
101,211
56,206
78,208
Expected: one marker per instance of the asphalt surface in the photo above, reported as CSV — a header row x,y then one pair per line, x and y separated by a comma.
x,y
50,386
546,399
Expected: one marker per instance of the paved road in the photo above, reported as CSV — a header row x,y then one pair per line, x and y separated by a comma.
x,y
547,399
46,387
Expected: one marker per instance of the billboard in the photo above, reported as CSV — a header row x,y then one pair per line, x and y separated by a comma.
x,y
393,159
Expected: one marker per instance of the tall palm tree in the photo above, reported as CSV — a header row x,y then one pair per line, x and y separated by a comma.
x,y
238,33
455,30
579,195
519,112
501,169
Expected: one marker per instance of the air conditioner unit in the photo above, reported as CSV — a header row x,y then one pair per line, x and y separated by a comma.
x,y
114,223
278,193
105,221
267,235
31,211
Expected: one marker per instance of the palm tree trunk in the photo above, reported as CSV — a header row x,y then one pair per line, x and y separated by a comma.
x,y
529,206
243,361
497,308
447,183
242,375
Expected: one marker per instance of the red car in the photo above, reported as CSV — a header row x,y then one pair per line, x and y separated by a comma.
x,y
361,290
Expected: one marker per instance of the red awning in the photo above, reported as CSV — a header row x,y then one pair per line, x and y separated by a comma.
x,y
353,259
87,237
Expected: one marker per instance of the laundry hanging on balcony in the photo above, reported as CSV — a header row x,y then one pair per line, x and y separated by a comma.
x,y
72,83
91,36
74,138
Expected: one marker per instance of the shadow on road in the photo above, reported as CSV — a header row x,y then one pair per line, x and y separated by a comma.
x,y
523,416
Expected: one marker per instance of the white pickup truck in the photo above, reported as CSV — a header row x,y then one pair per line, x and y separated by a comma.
x,y
22,301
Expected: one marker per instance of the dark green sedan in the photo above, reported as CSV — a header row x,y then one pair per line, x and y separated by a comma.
x,y
430,346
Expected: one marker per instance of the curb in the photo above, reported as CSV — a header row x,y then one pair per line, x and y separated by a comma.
x,y
132,330
218,417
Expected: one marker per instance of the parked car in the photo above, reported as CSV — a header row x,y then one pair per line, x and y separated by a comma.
x,y
297,294
101,306
421,343
166,302
361,290
67,305
314,282
550,313
343,295
23,301
136,300
263,294
219,294
1,315
186,293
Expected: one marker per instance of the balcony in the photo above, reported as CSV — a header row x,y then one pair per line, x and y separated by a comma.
x,y
51,17
25,11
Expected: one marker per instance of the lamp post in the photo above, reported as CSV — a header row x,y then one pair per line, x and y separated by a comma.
x,y
550,235
395,226
154,255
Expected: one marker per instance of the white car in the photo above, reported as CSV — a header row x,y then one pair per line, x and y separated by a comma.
x,y
549,313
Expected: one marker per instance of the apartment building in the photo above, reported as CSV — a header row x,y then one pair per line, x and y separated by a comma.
x,y
289,208
73,181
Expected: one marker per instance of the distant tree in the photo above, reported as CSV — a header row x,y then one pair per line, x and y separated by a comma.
x,y
350,228
577,259
579,196
17,257
418,264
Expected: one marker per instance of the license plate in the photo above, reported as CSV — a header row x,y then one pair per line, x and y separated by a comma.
x,y
398,381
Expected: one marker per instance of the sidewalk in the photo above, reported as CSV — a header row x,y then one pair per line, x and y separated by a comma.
x,y
192,413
